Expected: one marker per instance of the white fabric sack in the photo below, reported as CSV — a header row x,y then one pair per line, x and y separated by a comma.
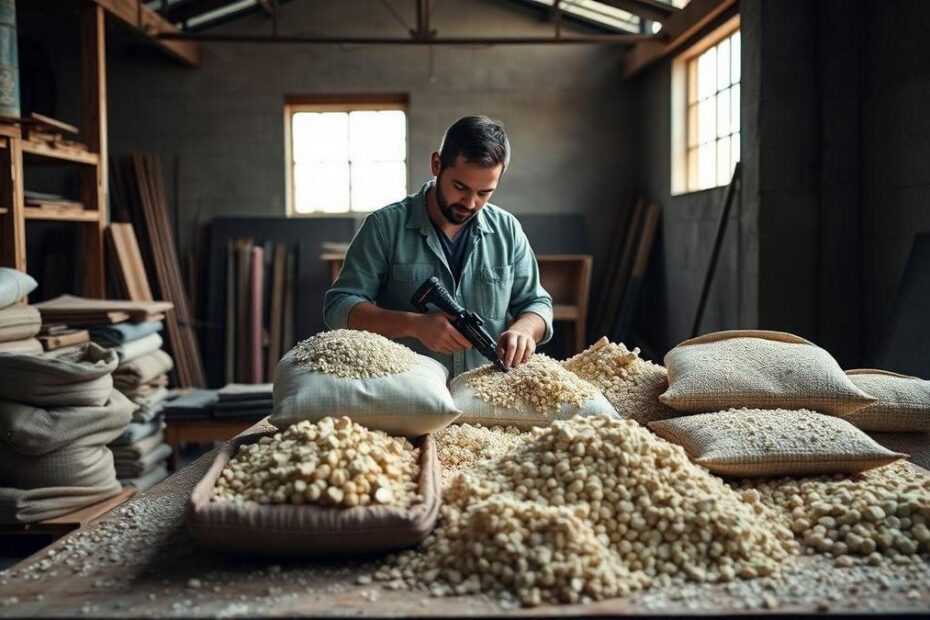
x,y
477,411
14,285
410,404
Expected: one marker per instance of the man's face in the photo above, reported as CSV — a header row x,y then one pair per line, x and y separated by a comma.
x,y
464,188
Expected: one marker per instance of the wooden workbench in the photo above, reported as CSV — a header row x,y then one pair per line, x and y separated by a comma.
x,y
140,562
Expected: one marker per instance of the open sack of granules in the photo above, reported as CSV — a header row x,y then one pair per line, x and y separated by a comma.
x,y
536,393
376,382
317,489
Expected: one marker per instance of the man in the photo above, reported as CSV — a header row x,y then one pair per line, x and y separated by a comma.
x,y
449,230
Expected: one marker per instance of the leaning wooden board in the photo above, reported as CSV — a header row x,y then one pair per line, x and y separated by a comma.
x,y
158,559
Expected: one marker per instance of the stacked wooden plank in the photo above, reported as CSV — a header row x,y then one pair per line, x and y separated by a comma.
x,y
626,268
84,311
141,188
259,309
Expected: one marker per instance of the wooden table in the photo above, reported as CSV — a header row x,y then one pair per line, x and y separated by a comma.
x,y
141,562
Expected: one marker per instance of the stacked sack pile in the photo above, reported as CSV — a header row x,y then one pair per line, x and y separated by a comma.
x,y
18,323
58,412
140,453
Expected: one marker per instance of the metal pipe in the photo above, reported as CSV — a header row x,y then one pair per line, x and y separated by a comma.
x,y
599,39
422,19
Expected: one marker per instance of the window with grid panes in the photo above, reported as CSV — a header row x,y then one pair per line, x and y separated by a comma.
x,y
349,160
713,114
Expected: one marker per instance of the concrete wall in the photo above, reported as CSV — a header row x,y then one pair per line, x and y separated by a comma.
x,y
896,136
567,110
689,223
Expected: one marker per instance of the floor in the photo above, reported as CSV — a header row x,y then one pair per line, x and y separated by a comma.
x,y
140,560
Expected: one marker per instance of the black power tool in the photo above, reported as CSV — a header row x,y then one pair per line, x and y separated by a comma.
x,y
468,323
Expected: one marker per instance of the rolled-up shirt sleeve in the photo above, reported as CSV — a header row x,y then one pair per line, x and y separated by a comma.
x,y
362,275
528,294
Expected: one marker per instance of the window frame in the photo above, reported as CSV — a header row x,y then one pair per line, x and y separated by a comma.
x,y
335,103
680,104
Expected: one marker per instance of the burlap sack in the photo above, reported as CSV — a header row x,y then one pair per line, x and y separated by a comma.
x,y
34,430
756,442
19,322
14,285
903,402
71,466
411,403
308,530
77,378
757,369
630,384
29,506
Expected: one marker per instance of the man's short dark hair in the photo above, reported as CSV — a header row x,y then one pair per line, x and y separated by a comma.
x,y
479,139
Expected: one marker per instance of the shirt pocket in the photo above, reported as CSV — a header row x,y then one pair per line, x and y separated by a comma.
x,y
494,287
404,281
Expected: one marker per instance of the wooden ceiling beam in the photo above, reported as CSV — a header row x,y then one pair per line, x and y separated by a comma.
x,y
646,9
678,30
150,24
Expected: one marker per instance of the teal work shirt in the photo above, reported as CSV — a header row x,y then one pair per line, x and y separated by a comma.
x,y
397,248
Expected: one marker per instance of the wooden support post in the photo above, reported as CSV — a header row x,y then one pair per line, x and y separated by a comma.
x,y
94,122
12,216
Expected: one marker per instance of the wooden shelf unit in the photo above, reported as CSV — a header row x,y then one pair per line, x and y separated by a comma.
x,y
58,154
90,213
60,213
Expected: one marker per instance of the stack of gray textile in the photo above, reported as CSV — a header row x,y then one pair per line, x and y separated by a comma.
x,y
142,376
58,412
18,323
140,454
244,401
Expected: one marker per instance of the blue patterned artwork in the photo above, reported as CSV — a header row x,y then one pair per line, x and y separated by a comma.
x,y
9,65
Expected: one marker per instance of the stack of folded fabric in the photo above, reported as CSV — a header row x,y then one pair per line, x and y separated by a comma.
x,y
140,454
191,404
18,323
244,401
143,366
58,412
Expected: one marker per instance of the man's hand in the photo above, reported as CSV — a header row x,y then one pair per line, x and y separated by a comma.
x,y
515,347
437,333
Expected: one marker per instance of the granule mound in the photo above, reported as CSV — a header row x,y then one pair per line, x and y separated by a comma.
x,y
334,462
881,511
587,509
461,446
540,383
355,354
631,384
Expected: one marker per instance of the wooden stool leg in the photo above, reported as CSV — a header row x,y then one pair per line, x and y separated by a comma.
x,y
580,335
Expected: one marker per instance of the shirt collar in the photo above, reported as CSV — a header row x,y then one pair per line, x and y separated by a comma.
x,y
419,218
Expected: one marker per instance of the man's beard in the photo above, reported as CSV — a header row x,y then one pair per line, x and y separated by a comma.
x,y
454,213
